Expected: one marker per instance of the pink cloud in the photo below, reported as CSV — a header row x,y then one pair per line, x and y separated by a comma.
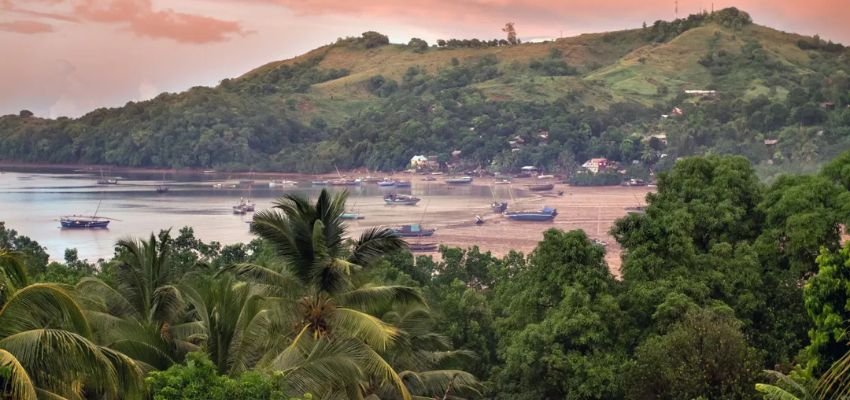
x,y
26,27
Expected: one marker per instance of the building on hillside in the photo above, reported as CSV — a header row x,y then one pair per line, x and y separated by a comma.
x,y
595,165
827,105
701,92
771,142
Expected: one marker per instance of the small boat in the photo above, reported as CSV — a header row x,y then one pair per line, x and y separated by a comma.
x,y
636,210
429,178
239,209
217,186
387,183
345,182
422,247
284,182
371,179
162,189
247,182
502,182
107,181
634,182
209,171
412,230
459,180
499,206
351,215
402,184
319,183
546,214
600,242
83,222
540,187
545,176
401,199
246,206
479,220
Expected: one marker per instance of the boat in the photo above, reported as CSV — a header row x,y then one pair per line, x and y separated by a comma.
x,y
217,186
542,187
351,215
84,222
546,214
422,247
401,199
499,206
371,179
106,181
545,176
402,184
459,180
344,182
245,206
162,189
412,230
429,178
502,182
319,183
239,209
387,183
276,183
209,171
636,210
634,182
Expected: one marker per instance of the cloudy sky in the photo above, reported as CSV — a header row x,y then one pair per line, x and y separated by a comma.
x,y
67,57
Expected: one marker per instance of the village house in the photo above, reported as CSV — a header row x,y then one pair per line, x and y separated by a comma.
x,y
595,165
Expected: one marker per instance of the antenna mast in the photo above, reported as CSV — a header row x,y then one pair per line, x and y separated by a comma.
x,y
676,10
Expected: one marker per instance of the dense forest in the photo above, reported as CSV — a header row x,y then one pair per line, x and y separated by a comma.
x,y
731,288
778,99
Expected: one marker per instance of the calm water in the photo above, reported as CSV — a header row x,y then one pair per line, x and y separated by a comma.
x,y
31,203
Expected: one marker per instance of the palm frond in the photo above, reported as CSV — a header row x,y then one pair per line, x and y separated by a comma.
x,y
274,280
439,383
375,243
371,330
18,382
97,295
373,298
166,304
771,392
42,305
12,270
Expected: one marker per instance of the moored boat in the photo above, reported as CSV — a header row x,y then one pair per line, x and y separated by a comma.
x,y
387,183
402,184
412,230
429,178
351,215
636,210
162,189
83,222
345,182
107,181
319,183
422,247
401,199
546,214
499,206
239,209
459,180
542,187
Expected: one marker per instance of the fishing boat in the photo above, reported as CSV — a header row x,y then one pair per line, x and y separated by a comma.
x,y
401,199
351,216
84,221
239,209
499,206
402,184
107,181
319,183
462,180
344,182
244,205
546,214
541,187
387,183
422,247
412,230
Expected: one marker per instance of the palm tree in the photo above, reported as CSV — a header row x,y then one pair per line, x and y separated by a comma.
x,y
424,359
46,344
331,342
142,315
784,388
234,319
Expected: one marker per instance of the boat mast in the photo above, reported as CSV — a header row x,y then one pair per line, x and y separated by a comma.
x,y
97,209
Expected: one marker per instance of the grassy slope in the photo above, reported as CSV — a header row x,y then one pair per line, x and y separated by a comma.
x,y
614,66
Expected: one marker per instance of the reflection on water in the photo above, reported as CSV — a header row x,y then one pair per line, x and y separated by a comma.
x,y
31,203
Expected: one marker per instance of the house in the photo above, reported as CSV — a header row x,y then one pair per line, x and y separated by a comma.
x,y
701,92
595,165
771,142
827,105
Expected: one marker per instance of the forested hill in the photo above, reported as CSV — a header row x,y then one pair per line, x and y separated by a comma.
x,y
779,99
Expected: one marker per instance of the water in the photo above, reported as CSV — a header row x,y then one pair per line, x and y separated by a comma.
x,y
32,202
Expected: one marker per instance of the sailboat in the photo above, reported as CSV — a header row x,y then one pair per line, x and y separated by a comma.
x,y
162,188
106,181
85,221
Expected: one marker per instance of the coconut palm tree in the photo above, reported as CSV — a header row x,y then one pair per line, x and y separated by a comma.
x,y
234,319
329,343
143,314
46,344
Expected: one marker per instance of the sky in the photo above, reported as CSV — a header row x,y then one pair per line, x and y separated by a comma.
x,y
68,57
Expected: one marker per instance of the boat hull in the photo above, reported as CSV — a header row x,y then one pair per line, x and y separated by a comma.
x,y
538,217
459,181
84,223
541,187
401,202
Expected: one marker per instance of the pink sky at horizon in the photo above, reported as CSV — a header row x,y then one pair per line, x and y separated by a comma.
x,y
68,57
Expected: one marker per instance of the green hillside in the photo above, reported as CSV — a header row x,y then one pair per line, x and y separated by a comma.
x,y
365,102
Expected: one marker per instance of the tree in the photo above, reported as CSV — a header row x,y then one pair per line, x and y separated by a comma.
x,y
418,45
827,299
47,349
142,314
374,39
323,312
704,356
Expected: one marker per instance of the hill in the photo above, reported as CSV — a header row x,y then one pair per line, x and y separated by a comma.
x,y
365,102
